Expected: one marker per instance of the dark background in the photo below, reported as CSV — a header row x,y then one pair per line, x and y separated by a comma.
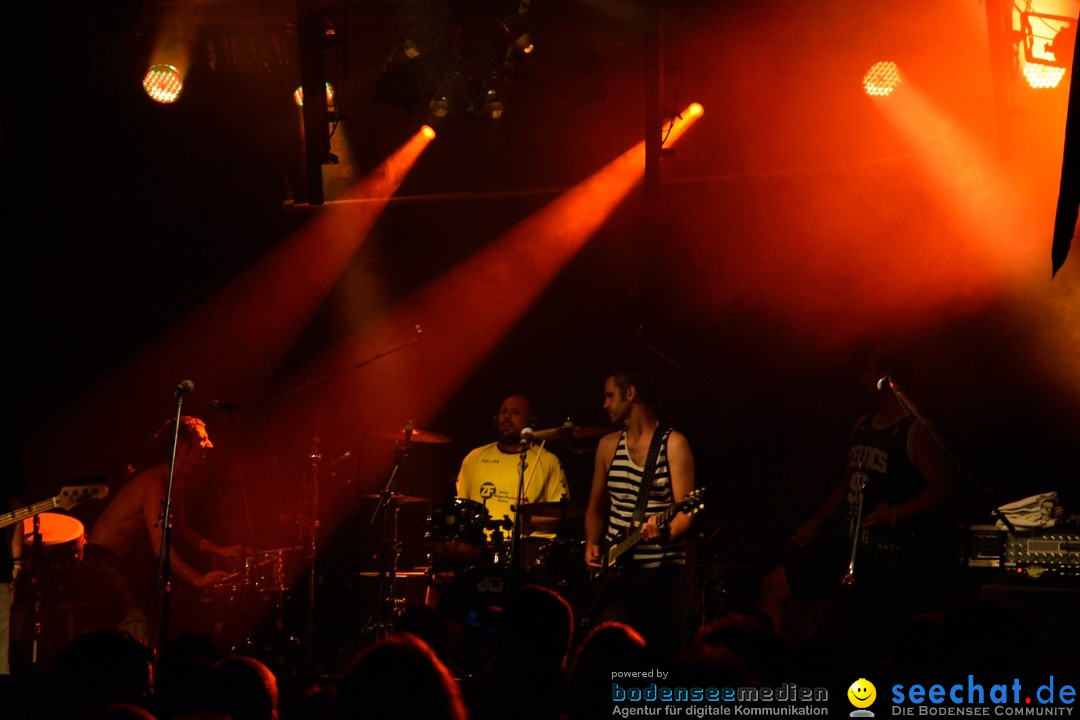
x,y
799,221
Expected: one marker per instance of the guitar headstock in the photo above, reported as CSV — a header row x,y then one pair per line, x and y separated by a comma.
x,y
71,496
692,502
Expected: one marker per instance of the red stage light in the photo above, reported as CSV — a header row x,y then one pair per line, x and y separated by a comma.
x,y
881,79
163,83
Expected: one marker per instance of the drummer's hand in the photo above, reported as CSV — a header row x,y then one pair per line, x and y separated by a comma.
x,y
230,551
592,555
214,577
234,551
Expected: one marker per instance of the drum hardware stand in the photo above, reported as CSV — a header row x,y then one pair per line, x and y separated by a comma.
x,y
498,538
38,557
164,575
316,458
390,549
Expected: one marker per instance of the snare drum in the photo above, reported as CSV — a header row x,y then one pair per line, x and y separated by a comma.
x,y
262,571
456,530
266,571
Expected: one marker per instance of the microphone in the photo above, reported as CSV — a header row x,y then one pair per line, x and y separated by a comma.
x,y
183,388
226,406
526,435
885,382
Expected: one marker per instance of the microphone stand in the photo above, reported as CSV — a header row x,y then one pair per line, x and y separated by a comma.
x,y
514,552
515,530
37,559
164,573
909,406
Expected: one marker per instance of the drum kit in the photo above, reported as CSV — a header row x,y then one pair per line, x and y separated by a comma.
x,y
246,609
475,559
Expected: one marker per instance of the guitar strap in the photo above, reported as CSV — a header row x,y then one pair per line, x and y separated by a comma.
x,y
658,438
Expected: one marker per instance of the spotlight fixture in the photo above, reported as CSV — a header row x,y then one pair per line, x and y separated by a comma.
x,y
418,42
493,95
298,95
881,79
515,29
1045,63
329,32
410,49
163,83
1042,77
450,96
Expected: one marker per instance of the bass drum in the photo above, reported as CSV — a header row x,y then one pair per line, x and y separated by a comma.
x,y
473,601
456,531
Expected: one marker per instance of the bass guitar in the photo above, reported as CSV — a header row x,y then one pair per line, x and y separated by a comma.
x,y
68,498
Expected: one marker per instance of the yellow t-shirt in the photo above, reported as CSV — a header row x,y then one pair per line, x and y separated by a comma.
x,y
490,476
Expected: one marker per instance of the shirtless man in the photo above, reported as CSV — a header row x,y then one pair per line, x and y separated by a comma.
x,y
117,547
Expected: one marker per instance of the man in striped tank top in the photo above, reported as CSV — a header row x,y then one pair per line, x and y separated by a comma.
x,y
650,591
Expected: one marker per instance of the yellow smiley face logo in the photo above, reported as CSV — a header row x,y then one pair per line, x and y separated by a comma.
x,y
862,693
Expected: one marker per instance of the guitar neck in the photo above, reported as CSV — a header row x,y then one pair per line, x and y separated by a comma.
x,y
634,537
26,512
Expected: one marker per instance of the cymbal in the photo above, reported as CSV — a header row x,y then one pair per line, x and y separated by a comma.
x,y
570,431
397,497
551,510
416,436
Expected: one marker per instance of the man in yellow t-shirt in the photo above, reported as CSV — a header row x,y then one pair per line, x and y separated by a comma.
x,y
490,474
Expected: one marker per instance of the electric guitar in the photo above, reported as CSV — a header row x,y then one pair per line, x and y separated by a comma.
x,y
611,552
68,498
586,600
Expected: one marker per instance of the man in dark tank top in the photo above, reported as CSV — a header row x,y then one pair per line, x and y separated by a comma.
x,y
879,540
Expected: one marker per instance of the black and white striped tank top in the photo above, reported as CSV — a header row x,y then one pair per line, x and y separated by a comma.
x,y
623,486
